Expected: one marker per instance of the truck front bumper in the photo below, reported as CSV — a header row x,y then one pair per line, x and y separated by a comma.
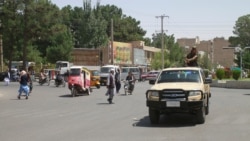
x,y
177,107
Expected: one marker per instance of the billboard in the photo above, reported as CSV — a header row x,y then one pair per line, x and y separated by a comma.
x,y
122,53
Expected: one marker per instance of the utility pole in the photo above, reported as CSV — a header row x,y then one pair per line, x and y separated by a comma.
x,y
162,39
1,52
1,40
112,42
25,43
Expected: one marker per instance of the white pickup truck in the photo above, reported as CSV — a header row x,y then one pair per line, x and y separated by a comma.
x,y
179,90
63,66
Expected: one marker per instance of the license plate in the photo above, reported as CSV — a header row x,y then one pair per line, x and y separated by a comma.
x,y
173,103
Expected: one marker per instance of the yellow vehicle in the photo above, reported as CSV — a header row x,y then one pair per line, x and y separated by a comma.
x,y
95,78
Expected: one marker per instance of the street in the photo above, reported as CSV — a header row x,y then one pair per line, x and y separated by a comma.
x,y
51,114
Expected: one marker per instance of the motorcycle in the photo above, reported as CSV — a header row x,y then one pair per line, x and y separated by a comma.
x,y
128,87
44,80
59,81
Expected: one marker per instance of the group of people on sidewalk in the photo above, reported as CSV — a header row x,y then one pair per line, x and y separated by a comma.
x,y
114,83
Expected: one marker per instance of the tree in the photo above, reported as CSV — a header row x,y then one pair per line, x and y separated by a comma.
x,y
93,27
11,29
61,45
173,54
147,41
242,38
126,28
204,62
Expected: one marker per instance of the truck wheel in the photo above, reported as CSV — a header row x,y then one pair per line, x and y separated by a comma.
x,y
154,116
207,107
201,116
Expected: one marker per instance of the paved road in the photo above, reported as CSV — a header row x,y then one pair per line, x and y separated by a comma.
x,y
50,114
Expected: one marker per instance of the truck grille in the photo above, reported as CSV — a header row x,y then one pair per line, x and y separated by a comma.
x,y
173,95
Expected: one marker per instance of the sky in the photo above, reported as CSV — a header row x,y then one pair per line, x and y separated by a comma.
x,y
206,19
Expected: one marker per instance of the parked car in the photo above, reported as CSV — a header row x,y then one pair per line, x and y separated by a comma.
x,y
14,74
152,75
2,75
144,76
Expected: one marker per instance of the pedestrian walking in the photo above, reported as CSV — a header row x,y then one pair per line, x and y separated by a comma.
x,y
118,81
23,84
30,78
7,77
110,86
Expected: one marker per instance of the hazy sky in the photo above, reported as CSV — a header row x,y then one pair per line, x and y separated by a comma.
x,y
187,18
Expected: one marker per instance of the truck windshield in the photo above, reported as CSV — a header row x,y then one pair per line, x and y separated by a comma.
x,y
124,70
105,70
95,73
61,65
179,76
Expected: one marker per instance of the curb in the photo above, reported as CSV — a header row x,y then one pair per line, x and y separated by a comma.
x,y
231,84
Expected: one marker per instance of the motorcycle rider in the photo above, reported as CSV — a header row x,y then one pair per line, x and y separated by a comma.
x,y
42,76
131,80
59,78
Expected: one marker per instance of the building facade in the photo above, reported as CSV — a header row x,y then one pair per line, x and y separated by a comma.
x,y
124,54
215,49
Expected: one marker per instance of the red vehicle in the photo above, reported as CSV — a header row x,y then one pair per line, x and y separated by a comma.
x,y
144,76
152,75
79,81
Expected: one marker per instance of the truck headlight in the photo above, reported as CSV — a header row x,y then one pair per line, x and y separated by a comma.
x,y
153,95
194,96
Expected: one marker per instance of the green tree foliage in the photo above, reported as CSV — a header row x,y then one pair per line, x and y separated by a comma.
x,y
61,45
29,30
37,30
11,29
173,54
242,38
147,41
125,28
93,28
204,62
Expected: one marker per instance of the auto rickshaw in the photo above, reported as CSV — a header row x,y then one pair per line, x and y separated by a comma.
x,y
95,78
79,81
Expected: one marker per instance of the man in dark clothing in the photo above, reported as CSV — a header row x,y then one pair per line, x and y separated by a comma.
x,y
130,78
110,86
23,84
118,81
192,58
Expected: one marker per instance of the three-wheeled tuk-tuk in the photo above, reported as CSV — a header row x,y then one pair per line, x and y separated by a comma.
x,y
95,78
79,81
